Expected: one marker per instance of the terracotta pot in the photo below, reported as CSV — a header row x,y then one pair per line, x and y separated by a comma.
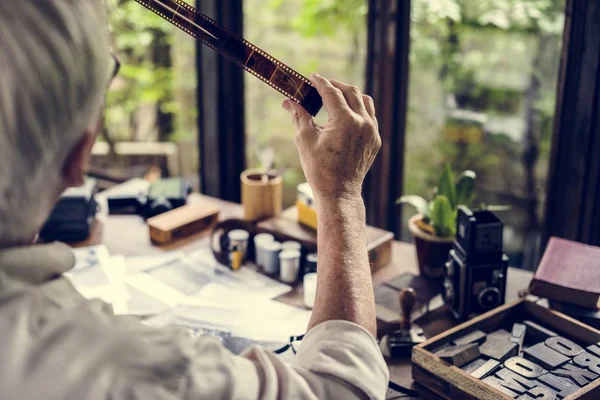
x,y
432,251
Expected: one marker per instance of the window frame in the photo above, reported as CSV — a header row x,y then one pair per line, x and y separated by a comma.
x,y
221,118
387,82
573,189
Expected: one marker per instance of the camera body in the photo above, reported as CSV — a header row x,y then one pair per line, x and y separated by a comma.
x,y
475,275
73,215
161,196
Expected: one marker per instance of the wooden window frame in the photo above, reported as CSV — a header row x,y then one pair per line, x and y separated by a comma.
x,y
387,82
221,117
573,191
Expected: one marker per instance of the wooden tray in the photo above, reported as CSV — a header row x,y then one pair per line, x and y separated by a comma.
x,y
450,382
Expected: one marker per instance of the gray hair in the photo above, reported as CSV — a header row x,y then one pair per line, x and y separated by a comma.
x,y
54,68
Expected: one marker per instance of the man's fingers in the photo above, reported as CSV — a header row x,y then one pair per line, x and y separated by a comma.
x,y
300,117
369,105
352,95
333,99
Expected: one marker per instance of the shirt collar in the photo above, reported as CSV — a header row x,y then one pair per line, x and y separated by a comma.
x,y
37,264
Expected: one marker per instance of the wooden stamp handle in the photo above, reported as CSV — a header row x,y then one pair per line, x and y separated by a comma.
x,y
408,299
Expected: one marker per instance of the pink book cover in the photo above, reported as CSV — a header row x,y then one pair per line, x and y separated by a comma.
x,y
569,272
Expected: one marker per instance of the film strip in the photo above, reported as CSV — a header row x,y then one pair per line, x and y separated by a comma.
x,y
243,53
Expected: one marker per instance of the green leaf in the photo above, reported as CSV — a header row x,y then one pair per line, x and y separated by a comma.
x,y
443,217
447,187
465,188
417,202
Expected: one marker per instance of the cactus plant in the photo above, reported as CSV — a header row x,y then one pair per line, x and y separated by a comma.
x,y
439,215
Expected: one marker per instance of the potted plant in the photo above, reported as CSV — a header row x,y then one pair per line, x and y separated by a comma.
x,y
434,227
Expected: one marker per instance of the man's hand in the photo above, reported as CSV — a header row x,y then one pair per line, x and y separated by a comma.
x,y
336,157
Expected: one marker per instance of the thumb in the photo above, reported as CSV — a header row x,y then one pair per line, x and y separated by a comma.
x,y
300,117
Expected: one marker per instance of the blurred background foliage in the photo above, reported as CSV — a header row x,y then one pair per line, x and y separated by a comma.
x,y
154,97
494,61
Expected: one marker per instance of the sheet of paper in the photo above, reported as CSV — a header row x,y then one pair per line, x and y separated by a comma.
x,y
98,275
90,257
115,271
155,288
243,315
89,270
148,285
137,264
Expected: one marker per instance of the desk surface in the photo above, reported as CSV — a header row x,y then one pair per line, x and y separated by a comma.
x,y
128,235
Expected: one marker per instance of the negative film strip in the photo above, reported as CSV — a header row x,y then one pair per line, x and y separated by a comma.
x,y
243,53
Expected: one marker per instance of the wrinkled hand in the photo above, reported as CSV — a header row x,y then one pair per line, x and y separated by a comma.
x,y
337,156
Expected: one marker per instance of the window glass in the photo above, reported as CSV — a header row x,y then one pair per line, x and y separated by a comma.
x,y
151,106
328,37
482,93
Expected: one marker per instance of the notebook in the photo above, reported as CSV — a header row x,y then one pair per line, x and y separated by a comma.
x,y
569,272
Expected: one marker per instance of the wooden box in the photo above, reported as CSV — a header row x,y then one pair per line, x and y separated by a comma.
x,y
451,382
182,221
287,227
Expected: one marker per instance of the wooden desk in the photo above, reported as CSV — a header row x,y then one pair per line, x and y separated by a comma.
x,y
128,235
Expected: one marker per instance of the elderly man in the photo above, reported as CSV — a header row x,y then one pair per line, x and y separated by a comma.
x,y
54,70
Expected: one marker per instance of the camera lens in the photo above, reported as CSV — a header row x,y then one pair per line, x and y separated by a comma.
x,y
489,298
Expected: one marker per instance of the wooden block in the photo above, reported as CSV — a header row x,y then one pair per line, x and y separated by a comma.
x,y
524,367
562,386
474,337
514,382
575,374
545,356
183,221
499,347
594,349
564,346
500,334
537,333
473,365
539,393
588,361
517,335
486,369
497,383
460,355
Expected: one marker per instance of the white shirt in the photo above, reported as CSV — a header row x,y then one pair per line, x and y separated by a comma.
x,y
55,344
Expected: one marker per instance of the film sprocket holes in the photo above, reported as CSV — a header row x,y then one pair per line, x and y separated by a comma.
x,y
241,52
475,276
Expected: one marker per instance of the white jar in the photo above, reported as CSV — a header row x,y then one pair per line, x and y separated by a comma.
x,y
291,245
289,265
239,237
271,257
259,241
310,289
